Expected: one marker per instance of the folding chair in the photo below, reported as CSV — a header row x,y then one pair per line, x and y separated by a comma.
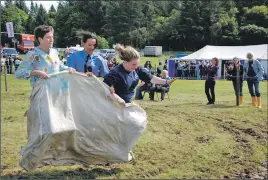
x,y
145,91
160,93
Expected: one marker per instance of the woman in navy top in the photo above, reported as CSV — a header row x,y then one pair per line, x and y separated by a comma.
x,y
124,78
211,72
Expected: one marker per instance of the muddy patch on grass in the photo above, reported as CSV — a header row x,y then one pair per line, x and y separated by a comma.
x,y
238,131
230,129
241,139
252,132
204,139
77,173
260,173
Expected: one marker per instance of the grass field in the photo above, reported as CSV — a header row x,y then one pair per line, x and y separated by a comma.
x,y
184,138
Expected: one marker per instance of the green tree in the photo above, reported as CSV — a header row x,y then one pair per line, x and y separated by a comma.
x,y
65,33
51,16
102,43
224,29
30,23
122,18
191,28
52,9
138,37
91,15
13,14
253,34
257,15
8,3
42,16
21,5
241,5
145,26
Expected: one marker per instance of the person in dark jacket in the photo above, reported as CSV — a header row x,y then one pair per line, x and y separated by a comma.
x,y
210,83
124,78
236,71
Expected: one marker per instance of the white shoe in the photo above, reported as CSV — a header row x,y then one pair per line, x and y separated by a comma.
x,y
131,156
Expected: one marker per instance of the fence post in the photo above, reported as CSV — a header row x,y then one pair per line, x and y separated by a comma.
x,y
237,85
224,71
5,69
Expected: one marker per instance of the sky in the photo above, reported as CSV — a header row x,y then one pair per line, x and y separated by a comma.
x,y
46,4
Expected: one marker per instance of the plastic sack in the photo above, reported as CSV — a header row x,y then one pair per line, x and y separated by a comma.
x,y
74,119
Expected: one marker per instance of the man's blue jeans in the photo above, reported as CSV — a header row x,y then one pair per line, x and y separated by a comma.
x,y
254,87
138,95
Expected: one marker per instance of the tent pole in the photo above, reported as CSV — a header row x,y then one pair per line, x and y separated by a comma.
x,y
224,71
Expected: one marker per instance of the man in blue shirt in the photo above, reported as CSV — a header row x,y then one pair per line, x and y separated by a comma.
x,y
86,61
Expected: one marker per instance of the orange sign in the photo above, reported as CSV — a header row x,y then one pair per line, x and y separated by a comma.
x,y
27,37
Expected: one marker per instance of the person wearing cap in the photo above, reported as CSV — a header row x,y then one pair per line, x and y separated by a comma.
x,y
254,73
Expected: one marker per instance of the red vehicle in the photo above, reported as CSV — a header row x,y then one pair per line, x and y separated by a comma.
x,y
25,42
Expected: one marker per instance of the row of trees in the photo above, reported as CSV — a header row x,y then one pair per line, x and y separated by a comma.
x,y
175,25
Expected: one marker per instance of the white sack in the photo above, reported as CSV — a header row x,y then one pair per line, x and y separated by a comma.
x,y
71,121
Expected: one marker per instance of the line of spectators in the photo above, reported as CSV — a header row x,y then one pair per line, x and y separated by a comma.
x,y
190,69
9,62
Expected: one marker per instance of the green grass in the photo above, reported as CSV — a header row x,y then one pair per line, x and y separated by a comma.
x,y
184,137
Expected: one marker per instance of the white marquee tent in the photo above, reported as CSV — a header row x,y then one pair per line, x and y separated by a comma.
x,y
228,52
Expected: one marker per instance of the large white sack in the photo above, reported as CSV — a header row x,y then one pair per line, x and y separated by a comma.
x,y
71,121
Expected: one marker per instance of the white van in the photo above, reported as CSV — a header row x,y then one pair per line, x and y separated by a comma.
x,y
107,53
68,51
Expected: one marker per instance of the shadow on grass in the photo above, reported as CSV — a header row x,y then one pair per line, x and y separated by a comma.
x,y
221,106
79,173
210,106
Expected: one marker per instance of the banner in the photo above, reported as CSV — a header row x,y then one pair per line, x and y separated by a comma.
x,y
10,29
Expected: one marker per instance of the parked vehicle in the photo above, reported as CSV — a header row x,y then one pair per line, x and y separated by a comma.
x,y
25,42
107,52
69,51
153,51
10,52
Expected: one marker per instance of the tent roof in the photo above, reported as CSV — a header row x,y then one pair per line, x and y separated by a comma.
x,y
228,52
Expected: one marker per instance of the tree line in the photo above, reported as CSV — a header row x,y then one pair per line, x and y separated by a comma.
x,y
175,25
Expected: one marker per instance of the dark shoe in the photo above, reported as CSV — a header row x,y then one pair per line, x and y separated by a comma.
x,y
209,103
